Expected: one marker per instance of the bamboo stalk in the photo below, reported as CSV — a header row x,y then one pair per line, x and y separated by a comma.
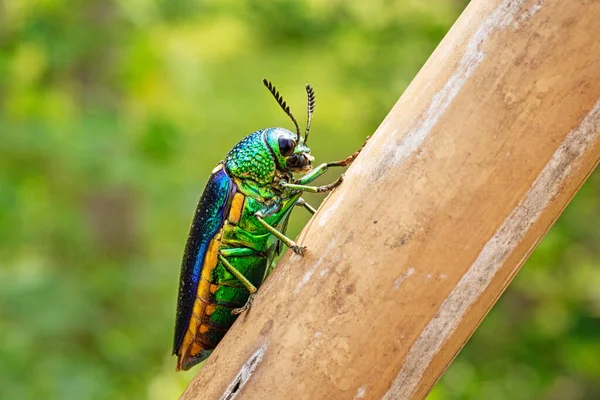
x,y
460,182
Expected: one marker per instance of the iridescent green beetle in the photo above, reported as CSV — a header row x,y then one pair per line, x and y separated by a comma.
x,y
238,228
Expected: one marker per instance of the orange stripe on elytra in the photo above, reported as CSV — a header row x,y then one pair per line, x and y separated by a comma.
x,y
203,291
196,348
235,211
210,309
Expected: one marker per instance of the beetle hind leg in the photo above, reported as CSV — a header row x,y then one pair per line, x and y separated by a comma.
x,y
246,306
247,284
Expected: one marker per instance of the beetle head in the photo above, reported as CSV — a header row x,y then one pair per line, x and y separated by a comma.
x,y
290,154
290,149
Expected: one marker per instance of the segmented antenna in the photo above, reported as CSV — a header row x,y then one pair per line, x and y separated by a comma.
x,y
310,108
283,105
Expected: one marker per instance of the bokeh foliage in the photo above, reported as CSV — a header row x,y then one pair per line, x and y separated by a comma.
x,y
112,115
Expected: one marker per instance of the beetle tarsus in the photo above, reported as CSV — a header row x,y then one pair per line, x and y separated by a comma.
x,y
331,186
246,306
350,159
300,250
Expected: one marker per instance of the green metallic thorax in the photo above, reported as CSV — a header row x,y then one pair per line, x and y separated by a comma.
x,y
252,166
252,159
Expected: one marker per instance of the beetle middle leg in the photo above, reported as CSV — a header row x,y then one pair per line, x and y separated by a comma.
x,y
247,284
268,210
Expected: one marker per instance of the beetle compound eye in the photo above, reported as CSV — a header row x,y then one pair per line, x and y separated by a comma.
x,y
286,146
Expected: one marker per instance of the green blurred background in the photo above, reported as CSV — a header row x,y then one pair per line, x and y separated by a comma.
x,y
112,115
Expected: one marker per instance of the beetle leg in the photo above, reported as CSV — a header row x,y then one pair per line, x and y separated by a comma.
x,y
270,208
246,306
302,203
321,169
233,271
315,189
300,250
239,252
247,284
313,174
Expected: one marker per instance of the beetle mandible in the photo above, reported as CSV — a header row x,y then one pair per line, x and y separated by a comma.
x,y
238,230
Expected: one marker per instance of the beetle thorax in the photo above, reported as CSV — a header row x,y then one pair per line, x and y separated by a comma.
x,y
251,159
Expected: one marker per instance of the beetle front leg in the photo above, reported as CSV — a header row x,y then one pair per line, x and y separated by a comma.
x,y
247,284
321,169
260,215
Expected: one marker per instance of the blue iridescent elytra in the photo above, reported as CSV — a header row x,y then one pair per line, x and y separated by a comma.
x,y
239,228
209,218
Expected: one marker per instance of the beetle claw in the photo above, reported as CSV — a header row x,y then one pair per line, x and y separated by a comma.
x,y
246,307
300,250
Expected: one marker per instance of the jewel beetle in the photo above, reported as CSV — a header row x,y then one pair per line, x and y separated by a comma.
x,y
239,228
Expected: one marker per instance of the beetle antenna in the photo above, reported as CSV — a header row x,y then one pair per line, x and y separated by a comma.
x,y
283,105
310,108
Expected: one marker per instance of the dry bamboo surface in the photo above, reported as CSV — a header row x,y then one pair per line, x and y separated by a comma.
x,y
458,185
